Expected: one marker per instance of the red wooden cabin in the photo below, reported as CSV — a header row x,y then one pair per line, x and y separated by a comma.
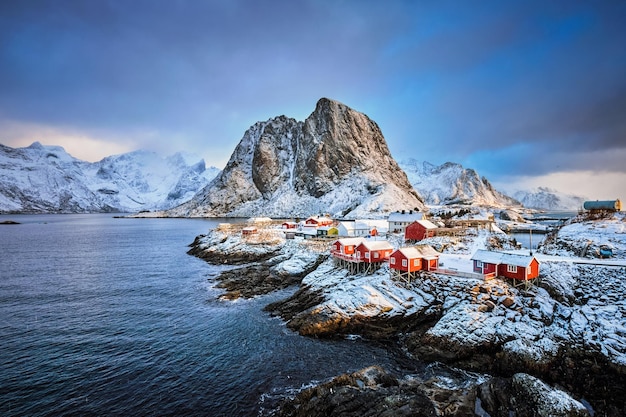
x,y
290,225
414,258
419,230
376,251
345,246
317,221
514,266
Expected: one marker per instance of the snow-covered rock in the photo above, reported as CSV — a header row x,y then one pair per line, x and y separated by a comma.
x,y
451,183
544,198
336,162
585,235
42,178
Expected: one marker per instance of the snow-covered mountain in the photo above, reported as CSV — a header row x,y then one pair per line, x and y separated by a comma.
x,y
451,183
544,198
336,162
46,179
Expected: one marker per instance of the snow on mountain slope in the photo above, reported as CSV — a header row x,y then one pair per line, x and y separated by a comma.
x,y
544,198
336,162
450,183
46,179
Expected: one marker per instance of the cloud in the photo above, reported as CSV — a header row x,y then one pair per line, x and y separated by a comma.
x,y
81,145
538,82
592,185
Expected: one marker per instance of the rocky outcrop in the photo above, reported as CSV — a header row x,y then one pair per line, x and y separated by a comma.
x,y
436,391
336,161
269,262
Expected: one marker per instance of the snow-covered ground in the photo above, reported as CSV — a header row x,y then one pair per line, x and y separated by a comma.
x,y
583,237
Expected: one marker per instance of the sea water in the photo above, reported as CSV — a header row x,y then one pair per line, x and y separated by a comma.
x,y
108,316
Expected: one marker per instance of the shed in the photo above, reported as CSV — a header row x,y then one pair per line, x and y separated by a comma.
x,y
509,265
419,230
250,230
317,221
290,225
327,231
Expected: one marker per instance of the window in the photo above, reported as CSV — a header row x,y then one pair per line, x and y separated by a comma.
x,y
404,262
376,255
479,264
367,255
392,261
511,268
416,262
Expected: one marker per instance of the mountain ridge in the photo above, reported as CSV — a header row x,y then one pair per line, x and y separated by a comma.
x,y
450,183
46,179
285,168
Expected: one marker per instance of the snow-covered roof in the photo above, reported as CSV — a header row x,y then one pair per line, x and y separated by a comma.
x,y
320,219
348,241
355,225
497,258
427,224
376,244
405,217
419,251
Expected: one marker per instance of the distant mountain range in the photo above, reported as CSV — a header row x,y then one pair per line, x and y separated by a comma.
x,y
544,198
450,184
336,161
46,179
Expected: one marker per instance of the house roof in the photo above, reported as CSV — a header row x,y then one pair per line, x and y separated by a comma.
x,y
419,251
376,244
319,219
350,241
405,217
497,258
426,224
355,225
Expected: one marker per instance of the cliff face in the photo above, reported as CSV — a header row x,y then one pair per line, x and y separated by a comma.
x,y
336,161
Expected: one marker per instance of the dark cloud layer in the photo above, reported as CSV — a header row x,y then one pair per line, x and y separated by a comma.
x,y
533,81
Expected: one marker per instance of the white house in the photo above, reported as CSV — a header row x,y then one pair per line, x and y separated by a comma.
x,y
399,220
358,228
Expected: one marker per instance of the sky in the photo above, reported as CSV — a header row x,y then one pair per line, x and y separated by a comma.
x,y
527,93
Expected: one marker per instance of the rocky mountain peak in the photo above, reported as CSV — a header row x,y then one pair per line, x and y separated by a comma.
x,y
337,160
451,183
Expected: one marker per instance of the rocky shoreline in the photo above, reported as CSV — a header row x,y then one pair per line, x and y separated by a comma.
x,y
554,349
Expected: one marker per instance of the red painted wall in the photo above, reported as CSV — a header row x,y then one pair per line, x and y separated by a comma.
x,y
416,231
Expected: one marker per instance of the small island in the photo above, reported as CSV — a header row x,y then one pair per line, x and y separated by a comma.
x,y
9,222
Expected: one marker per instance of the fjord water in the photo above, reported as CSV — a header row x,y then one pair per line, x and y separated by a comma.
x,y
105,316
